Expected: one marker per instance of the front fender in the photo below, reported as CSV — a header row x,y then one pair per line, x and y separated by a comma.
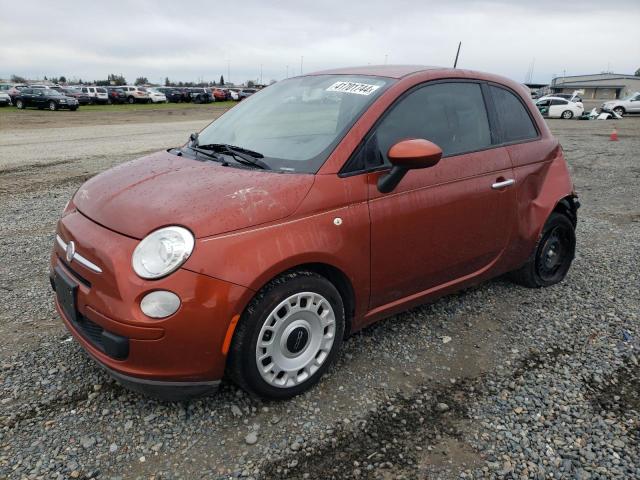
x,y
337,236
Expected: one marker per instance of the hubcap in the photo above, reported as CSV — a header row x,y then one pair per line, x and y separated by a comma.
x,y
295,339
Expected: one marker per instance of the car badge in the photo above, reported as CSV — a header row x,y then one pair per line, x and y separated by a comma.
x,y
71,251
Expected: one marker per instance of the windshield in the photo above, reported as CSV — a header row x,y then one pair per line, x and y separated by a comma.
x,y
54,93
296,123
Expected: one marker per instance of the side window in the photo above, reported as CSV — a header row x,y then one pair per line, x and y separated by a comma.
x,y
512,115
451,115
559,102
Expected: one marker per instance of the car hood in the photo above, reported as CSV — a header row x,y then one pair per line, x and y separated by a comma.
x,y
162,189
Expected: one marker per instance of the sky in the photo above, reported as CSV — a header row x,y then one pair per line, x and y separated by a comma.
x,y
269,40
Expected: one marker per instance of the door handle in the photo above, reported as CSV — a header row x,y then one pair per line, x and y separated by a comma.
x,y
503,183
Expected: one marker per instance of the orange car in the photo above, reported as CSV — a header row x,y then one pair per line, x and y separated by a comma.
x,y
319,205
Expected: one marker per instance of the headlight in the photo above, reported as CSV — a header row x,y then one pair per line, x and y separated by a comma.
x,y
161,252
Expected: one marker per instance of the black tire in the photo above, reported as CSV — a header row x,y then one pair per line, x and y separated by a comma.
x,y
19,104
552,256
53,106
567,115
620,111
242,364
73,109
131,100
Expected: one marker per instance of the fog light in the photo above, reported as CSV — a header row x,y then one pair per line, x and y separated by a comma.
x,y
160,304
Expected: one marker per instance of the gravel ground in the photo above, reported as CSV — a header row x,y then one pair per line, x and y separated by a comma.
x,y
497,381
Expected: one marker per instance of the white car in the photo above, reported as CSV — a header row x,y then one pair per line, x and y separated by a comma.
x,y
135,94
629,104
556,107
5,99
96,94
156,96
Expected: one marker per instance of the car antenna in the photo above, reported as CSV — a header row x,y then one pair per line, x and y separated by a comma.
x,y
455,63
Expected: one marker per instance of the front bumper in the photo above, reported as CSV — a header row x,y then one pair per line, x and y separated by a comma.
x,y
178,356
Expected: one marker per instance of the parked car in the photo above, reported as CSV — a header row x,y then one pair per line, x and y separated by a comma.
x,y
200,95
231,94
135,94
116,95
96,94
173,94
219,94
14,91
567,96
45,98
246,92
628,104
82,97
556,107
253,249
5,99
156,96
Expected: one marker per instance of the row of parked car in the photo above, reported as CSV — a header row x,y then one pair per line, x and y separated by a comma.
x,y
55,97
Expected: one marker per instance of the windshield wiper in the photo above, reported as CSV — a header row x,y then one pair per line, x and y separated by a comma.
x,y
241,155
193,144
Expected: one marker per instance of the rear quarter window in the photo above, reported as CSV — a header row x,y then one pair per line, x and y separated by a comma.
x,y
516,124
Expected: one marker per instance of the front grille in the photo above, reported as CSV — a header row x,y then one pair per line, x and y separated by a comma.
x,y
76,275
116,346
91,331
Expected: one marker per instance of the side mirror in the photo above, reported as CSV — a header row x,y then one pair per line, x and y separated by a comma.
x,y
406,155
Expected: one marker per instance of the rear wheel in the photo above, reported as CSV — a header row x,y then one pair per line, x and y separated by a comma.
x,y
288,336
131,100
552,257
53,106
567,114
619,110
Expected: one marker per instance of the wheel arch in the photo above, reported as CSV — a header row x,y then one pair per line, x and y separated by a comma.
x,y
568,206
335,275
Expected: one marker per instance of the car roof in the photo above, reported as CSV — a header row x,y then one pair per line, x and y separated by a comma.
x,y
391,71
430,72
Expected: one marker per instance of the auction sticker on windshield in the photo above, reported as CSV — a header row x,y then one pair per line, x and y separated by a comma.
x,y
353,87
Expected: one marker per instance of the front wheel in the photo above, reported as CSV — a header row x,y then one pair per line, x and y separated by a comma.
x,y
131,100
288,336
552,257
19,104
567,114
53,106
619,111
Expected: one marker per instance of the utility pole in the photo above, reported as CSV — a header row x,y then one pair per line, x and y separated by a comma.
x,y
301,60
261,75
287,71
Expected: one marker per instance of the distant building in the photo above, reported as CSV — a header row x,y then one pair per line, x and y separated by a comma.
x,y
599,86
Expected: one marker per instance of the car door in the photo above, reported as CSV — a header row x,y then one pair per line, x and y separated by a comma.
x,y
40,98
634,104
446,223
557,107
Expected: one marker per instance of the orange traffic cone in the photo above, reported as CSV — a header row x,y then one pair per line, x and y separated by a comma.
x,y
614,135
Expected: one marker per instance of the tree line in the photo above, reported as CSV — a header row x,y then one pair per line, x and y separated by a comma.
x,y
114,79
